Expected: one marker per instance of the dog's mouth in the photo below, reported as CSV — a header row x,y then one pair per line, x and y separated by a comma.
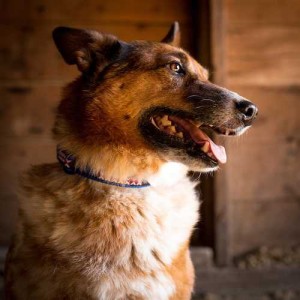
x,y
188,131
183,133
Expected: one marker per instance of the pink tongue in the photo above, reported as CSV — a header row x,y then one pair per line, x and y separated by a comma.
x,y
200,138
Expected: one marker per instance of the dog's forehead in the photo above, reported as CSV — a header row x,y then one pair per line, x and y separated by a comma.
x,y
197,68
158,53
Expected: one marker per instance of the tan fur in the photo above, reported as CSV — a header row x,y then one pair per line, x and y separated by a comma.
x,y
81,239
58,211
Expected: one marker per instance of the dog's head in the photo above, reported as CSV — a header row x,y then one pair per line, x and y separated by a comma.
x,y
149,97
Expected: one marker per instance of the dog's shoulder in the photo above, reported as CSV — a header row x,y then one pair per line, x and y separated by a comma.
x,y
41,177
47,191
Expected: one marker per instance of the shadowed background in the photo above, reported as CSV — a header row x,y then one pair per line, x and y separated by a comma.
x,y
251,47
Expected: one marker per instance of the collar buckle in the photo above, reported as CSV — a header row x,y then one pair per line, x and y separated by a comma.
x,y
67,161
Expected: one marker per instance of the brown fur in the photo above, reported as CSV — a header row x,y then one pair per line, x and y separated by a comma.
x,y
182,272
80,239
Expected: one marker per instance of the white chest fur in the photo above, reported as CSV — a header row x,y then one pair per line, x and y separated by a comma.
x,y
168,210
173,199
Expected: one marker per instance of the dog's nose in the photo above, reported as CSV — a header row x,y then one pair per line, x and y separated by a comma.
x,y
247,110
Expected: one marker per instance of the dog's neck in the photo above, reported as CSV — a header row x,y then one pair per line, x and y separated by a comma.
x,y
68,162
141,172
118,161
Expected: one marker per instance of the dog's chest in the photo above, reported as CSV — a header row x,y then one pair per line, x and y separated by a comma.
x,y
162,216
175,210
154,224
161,221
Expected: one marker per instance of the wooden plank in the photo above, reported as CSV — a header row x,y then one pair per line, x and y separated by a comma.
x,y
263,71
8,217
221,200
268,153
19,154
3,252
204,233
13,9
266,55
28,52
263,54
118,10
202,257
268,171
29,110
265,223
264,11
232,283
262,41
218,46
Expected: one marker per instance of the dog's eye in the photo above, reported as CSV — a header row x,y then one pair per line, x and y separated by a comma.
x,y
176,67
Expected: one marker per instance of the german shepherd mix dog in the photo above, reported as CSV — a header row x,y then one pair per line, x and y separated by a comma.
x,y
112,220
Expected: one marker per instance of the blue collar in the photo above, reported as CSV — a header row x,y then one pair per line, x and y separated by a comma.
x,y
68,162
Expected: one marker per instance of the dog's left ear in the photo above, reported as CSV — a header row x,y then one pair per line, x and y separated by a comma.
x,y
173,36
88,49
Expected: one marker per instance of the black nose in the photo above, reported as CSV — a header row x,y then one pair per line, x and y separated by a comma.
x,y
248,111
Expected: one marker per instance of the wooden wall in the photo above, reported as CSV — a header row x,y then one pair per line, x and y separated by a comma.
x,y
262,62
32,72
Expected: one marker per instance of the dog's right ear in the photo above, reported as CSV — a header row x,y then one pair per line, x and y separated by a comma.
x,y
173,36
86,48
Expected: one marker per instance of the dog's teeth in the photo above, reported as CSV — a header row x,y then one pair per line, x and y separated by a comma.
x,y
165,121
210,154
227,131
180,134
205,147
173,129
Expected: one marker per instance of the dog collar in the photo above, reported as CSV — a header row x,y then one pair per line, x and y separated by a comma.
x,y
68,162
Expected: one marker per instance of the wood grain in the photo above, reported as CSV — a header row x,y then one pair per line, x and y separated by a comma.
x,y
118,10
264,171
262,47
27,50
29,110
260,71
221,200
262,41
264,11
265,223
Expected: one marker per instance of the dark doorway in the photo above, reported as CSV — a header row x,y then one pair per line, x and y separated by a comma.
x,y
204,232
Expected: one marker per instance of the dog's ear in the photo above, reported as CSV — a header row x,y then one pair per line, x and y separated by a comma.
x,y
173,36
86,48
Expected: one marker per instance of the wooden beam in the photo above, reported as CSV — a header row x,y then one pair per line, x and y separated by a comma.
x,y
204,233
222,204
233,282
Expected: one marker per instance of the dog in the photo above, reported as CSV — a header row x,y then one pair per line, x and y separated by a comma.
x,y
112,219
